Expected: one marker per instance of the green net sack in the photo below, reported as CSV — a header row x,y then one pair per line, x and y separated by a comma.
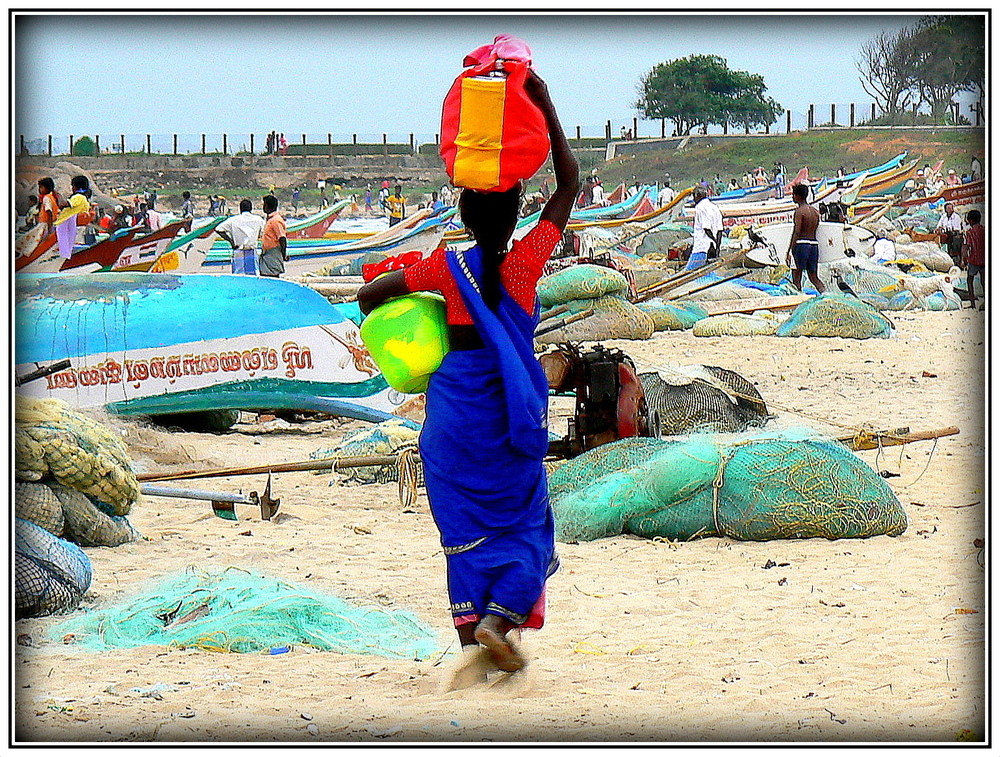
x,y
579,282
237,611
802,488
937,301
835,315
756,489
877,301
672,316
736,324
613,318
71,515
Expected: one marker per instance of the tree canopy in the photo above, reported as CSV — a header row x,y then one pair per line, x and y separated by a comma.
x,y
701,90
926,64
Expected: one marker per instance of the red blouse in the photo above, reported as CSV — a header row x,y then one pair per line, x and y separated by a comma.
x,y
519,272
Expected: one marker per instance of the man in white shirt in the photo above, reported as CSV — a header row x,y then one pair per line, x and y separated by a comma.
x,y
599,197
242,232
667,194
707,229
952,226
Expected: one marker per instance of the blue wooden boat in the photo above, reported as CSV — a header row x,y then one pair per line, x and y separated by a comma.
x,y
156,343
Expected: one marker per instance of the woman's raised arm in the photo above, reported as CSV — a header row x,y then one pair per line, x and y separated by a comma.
x,y
560,204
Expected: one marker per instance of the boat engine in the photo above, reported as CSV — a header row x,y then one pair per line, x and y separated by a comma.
x,y
610,401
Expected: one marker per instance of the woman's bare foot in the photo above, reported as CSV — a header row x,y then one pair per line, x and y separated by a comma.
x,y
491,633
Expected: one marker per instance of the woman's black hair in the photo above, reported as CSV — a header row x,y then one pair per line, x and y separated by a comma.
x,y
491,218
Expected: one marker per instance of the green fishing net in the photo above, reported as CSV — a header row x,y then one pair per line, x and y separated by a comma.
x,y
579,282
737,324
672,316
238,611
762,487
836,315
613,318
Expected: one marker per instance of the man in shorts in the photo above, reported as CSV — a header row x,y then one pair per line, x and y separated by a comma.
x,y
803,246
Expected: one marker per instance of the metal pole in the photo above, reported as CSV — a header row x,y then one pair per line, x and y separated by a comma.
x,y
149,148
251,144
123,143
357,461
635,128
788,122
152,490
175,144
50,145
71,145
202,144
852,115
833,114
225,143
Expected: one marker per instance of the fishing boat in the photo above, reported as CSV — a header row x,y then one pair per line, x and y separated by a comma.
x,y
835,241
124,247
889,182
187,251
422,231
775,211
973,193
316,225
159,343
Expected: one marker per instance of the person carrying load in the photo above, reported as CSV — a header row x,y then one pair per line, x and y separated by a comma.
x,y
486,435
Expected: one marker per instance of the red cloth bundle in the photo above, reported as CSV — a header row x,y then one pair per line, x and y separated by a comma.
x,y
371,271
492,134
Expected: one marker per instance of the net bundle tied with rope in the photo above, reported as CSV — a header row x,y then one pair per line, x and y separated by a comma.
x,y
768,486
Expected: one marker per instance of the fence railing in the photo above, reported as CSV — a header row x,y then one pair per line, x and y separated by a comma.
x,y
332,144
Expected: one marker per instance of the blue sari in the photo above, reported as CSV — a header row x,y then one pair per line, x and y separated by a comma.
x,y
482,447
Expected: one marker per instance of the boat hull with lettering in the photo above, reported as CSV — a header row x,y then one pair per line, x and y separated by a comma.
x,y
164,343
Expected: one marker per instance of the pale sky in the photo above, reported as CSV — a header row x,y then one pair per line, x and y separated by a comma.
x,y
385,73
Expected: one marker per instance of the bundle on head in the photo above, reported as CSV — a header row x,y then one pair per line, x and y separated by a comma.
x,y
491,217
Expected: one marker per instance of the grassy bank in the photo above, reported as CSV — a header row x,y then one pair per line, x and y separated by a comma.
x,y
822,151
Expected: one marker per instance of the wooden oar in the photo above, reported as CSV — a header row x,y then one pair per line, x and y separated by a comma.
x,y
876,439
703,287
564,322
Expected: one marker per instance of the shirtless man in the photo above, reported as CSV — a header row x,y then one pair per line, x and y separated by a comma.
x,y
803,244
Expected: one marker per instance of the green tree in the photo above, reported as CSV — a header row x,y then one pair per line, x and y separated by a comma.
x,y
84,146
701,90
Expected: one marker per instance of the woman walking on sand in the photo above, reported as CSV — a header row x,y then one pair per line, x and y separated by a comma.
x,y
486,432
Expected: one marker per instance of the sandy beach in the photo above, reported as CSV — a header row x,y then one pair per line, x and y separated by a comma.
x,y
852,640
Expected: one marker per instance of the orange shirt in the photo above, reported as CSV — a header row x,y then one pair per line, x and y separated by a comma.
x,y
49,209
274,229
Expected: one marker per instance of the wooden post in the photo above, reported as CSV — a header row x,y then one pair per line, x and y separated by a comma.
x,y
50,145
304,150
329,143
202,144
437,138
97,144
354,138
767,128
251,143
577,133
385,144
175,143
833,114
21,140
225,143
607,130
788,122
149,149
70,151
663,127
635,128
725,127
873,111
852,115
810,118
123,143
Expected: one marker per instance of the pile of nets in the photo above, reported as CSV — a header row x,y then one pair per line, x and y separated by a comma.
x,y
238,611
672,316
763,323
667,237
50,575
73,480
614,318
579,282
391,437
836,315
929,254
702,398
759,488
